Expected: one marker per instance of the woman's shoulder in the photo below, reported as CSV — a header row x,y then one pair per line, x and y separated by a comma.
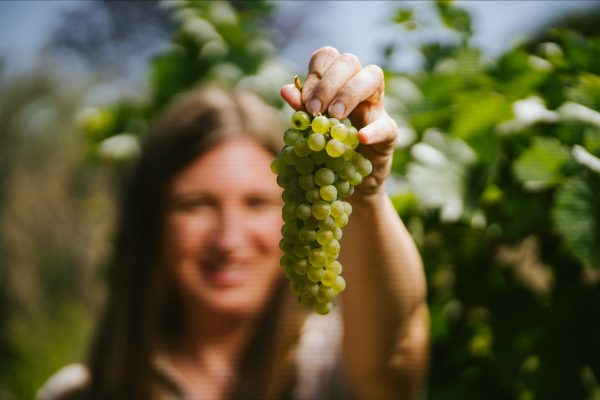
x,y
67,383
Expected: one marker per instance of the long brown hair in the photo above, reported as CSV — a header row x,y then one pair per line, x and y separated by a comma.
x,y
142,310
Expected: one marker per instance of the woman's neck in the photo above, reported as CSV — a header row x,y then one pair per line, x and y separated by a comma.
x,y
206,353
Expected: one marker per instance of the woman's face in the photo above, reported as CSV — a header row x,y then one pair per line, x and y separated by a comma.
x,y
223,228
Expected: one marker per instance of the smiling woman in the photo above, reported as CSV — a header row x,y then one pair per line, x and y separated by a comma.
x,y
198,308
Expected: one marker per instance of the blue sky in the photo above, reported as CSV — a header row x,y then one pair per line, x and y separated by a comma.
x,y
352,26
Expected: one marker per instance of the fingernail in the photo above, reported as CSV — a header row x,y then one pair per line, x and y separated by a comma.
x,y
337,110
314,105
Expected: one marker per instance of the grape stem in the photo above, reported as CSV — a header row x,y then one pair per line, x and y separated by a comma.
x,y
297,83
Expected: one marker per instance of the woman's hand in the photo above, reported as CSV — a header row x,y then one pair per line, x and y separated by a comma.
x,y
337,84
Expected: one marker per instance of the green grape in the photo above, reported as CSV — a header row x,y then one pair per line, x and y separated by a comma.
x,y
301,266
335,164
303,211
314,274
324,236
348,153
335,148
324,177
352,138
287,261
316,142
300,120
317,257
339,132
313,195
311,223
347,171
322,308
286,245
355,179
301,148
328,278
288,272
337,208
327,223
301,250
282,181
342,187
332,248
337,233
306,182
276,165
304,165
307,235
320,210
288,212
288,155
289,195
319,157
339,285
324,294
348,207
320,124
363,166
342,221
290,231
335,267
328,193
311,290
317,167
291,136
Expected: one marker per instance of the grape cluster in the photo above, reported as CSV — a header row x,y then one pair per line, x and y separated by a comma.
x,y
317,168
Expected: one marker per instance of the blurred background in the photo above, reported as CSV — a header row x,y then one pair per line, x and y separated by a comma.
x,y
497,173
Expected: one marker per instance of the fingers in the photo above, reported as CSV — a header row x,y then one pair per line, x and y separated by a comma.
x,y
292,96
334,78
380,134
366,85
320,62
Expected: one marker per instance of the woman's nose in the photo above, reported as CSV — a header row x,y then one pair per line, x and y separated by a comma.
x,y
231,233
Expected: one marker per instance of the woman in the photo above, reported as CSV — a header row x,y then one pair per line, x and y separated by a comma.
x,y
198,307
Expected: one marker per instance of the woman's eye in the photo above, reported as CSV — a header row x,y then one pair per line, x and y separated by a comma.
x,y
261,202
190,205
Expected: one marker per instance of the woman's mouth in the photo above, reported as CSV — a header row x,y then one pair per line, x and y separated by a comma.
x,y
225,274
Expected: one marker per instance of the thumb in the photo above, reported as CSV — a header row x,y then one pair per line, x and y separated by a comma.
x,y
292,96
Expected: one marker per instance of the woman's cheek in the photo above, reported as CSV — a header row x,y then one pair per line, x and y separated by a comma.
x,y
269,229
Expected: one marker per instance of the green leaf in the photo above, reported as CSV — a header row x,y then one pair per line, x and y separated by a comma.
x,y
540,165
575,216
405,17
455,18
478,114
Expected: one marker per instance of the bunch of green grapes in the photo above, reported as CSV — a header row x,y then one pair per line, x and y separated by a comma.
x,y
317,168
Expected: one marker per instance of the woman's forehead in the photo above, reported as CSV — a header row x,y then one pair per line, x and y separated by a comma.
x,y
237,162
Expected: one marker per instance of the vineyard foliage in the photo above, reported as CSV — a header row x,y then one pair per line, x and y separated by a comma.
x,y
497,176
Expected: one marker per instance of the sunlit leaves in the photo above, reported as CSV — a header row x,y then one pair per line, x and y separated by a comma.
x,y
540,165
575,216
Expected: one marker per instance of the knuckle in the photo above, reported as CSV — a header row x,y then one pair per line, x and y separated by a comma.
x,y
351,59
323,88
349,93
375,70
325,51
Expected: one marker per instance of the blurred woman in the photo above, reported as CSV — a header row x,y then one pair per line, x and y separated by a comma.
x,y
198,307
